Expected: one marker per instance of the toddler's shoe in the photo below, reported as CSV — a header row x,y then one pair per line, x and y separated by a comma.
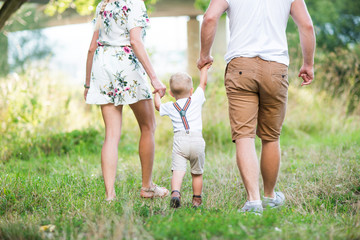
x,y
175,199
253,207
154,192
275,202
196,201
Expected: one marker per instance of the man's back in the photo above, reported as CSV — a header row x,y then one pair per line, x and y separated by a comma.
x,y
258,28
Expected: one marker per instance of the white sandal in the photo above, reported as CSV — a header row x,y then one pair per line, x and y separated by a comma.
x,y
154,192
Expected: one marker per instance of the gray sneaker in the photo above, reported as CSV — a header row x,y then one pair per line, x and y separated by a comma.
x,y
275,202
255,208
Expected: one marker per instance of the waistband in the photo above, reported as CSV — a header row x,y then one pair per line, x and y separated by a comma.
x,y
189,134
100,44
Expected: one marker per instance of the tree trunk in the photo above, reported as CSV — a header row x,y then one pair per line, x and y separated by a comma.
x,y
9,7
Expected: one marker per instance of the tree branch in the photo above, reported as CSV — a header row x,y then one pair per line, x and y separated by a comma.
x,y
9,7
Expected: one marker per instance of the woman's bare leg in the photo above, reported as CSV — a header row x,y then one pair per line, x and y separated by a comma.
x,y
145,115
109,154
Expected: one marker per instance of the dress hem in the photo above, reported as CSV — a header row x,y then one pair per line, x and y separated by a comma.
x,y
128,103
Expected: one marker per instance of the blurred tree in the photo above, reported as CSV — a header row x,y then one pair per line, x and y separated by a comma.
x,y
337,22
30,45
7,9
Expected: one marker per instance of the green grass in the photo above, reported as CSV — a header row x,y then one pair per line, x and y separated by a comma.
x,y
321,183
52,175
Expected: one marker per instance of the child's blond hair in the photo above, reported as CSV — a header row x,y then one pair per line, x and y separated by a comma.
x,y
180,84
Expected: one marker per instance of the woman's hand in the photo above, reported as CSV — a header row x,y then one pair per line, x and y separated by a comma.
x,y
85,93
159,87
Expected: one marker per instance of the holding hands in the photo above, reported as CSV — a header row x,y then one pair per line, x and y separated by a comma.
x,y
204,60
159,87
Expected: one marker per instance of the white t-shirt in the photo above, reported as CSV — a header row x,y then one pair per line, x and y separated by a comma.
x,y
193,113
258,28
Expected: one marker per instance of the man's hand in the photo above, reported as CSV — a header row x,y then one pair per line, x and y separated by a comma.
x,y
307,74
208,29
159,87
204,61
304,23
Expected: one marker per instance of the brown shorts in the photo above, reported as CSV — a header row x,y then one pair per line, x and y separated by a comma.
x,y
257,95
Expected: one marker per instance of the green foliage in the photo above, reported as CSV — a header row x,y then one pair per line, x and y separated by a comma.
x,y
202,4
60,144
337,22
340,75
83,7
34,104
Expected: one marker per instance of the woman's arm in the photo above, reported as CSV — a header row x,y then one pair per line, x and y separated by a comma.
x,y
140,52
89,61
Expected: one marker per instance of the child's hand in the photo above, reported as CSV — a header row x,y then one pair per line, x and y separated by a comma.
x,y
203,75
157,101
205,67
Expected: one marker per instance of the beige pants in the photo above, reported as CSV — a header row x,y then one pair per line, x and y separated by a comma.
x,y
188,147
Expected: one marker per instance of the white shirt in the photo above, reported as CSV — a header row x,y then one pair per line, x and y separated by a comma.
x,y
258,28
193,113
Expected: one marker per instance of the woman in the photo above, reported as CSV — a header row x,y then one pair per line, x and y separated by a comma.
x,y
115,76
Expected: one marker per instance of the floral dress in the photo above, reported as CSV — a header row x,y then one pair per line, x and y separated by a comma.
x,y
117,76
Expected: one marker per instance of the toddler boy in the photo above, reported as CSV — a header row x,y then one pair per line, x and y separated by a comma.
x,y
189,144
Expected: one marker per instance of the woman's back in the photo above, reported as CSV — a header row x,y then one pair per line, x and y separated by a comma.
x,y
118,18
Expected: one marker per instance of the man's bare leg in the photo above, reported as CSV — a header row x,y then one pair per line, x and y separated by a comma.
x,y
248,166
270,164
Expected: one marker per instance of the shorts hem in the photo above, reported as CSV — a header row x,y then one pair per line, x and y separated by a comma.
x,y
243,136
173,169
269,139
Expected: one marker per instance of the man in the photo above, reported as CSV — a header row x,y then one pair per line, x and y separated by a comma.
x,y
256,82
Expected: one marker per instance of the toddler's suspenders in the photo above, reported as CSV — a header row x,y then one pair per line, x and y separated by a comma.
x,y
182,112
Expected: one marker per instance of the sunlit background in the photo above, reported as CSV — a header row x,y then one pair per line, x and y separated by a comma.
x,y
166,42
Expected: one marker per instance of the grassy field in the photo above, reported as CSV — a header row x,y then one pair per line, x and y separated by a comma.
x,y
50,174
